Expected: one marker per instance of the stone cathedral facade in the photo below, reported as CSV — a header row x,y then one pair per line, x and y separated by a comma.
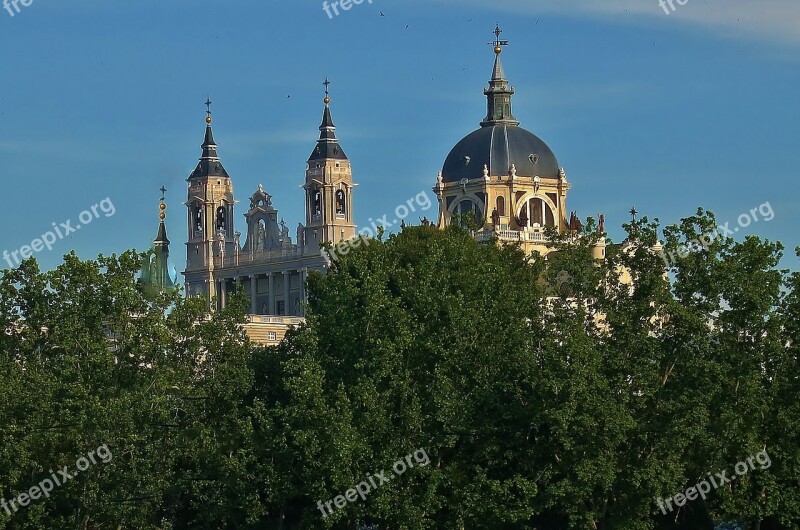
x,y
501,179
271,261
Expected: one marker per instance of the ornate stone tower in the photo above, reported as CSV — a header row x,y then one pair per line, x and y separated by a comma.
x,y
210,208
501,178
329,189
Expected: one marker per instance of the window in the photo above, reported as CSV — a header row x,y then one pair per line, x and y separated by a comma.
x,y
197,218
221,218
501,205
536,213
340,204
272,336
467,212
317,203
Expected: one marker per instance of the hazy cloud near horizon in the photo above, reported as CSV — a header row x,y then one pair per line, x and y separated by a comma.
x,y
772,20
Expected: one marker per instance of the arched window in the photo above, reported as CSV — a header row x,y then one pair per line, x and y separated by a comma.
x,y
317,203
221,218
536,213
340,202
468,213
501,205
197,218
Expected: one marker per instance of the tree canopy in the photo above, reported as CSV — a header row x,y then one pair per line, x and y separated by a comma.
x,y
548,393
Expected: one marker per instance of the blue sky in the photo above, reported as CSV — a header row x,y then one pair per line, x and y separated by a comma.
x,y
104,98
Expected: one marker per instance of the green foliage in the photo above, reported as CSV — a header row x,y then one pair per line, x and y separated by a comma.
x,y
557,393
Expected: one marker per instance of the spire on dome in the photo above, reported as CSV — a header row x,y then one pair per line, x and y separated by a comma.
x,y
497,72
499,93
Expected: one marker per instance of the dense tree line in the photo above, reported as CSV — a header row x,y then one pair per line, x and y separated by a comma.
x,y
547,393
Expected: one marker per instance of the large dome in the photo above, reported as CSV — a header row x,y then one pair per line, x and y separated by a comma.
x,y
498,147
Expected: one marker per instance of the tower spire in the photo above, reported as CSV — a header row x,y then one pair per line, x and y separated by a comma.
x,y
156,275
328,145
499,93
161,238
210,164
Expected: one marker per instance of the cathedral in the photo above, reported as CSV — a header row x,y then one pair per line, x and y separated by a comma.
x,y
268,263
501,179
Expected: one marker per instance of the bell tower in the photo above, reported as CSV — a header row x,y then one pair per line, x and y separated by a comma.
x,y
328,188
210,214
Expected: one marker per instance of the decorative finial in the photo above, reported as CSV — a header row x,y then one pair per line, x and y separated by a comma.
x,y
208,111
327,99
498,42
634,213
163,206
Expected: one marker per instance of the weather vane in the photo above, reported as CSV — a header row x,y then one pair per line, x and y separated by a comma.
x,y
498,42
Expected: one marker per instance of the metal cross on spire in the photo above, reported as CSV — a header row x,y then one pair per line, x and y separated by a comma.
x,y
208,106
498,42
634,213
163,191
327,95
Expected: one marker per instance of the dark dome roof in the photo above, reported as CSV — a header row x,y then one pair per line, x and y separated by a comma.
x,y
498,147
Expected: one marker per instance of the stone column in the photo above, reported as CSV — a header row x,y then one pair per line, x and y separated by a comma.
x,y
271,295
223,292
253,292
286,292
303,292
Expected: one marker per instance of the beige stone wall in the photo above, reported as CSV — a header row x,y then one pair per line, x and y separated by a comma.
x,y
270,330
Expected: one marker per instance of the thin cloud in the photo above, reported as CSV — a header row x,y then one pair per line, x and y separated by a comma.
x,y
772,20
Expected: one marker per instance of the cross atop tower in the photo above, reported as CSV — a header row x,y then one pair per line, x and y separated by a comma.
x,y
327,96
634,213
208,109
163,191
498,42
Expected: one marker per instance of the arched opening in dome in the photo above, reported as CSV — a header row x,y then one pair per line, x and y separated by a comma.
x,y
536,213
468,214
